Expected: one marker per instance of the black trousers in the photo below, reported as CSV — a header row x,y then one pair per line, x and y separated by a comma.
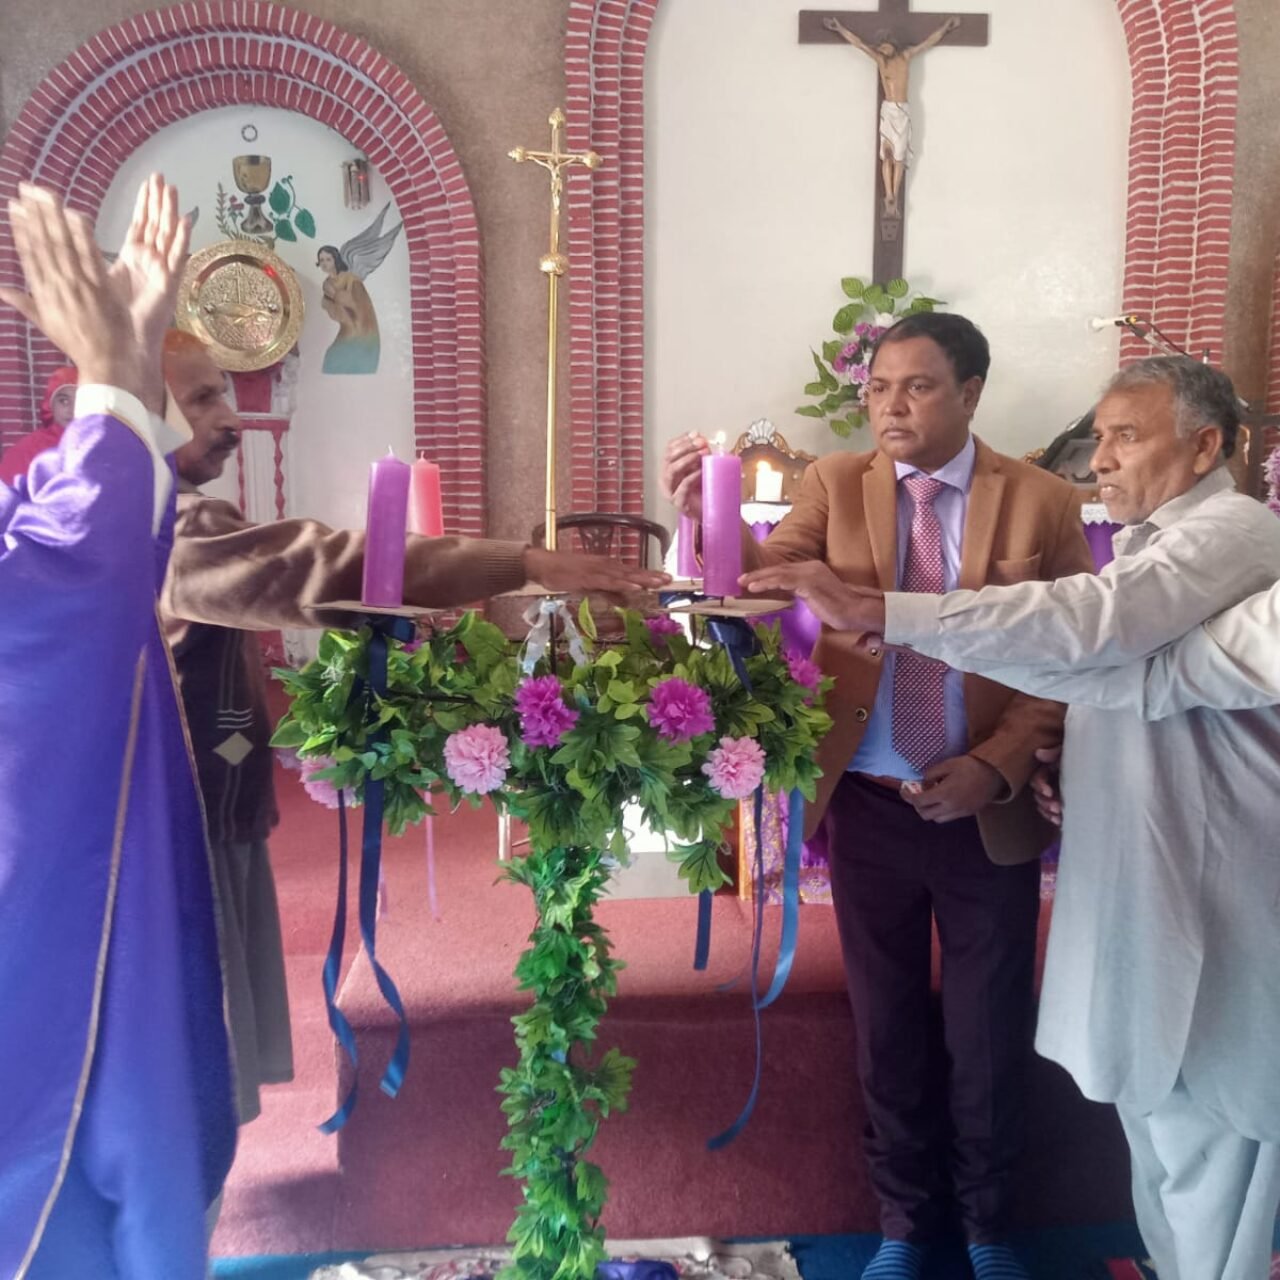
x,y
935,1135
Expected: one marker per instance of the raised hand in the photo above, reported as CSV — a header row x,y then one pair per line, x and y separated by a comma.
x,y
148,269
837,603
71,299
682,473
569,571
142,283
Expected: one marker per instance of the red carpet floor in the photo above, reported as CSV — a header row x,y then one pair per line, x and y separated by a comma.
x,y
423,1169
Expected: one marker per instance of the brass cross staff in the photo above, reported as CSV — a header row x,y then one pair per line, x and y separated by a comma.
x,y
553,264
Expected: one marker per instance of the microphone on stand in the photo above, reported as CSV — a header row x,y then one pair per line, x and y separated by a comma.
x,y
1121,322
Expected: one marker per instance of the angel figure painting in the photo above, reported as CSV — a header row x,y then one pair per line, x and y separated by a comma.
x,y
346,300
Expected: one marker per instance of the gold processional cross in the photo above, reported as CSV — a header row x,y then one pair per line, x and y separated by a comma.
x,y
554,264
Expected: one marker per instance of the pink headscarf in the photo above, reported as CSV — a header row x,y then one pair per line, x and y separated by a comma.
x,y
65,376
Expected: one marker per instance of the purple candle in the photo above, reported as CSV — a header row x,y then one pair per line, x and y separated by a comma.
x,y
686,548
385,526
721,521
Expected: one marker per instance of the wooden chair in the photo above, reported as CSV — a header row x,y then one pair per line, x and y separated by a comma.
x,y
762,442
604,533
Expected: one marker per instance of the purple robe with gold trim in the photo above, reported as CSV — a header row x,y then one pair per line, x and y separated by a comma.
x,y
117,1123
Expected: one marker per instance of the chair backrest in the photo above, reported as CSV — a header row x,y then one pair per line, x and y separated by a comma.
x,y
762,442
606,533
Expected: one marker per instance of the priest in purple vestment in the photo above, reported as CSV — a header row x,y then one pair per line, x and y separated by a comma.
x,y
118,1124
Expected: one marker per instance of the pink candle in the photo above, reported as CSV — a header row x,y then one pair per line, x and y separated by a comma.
x,y
425,513
721,521
686,550
385,532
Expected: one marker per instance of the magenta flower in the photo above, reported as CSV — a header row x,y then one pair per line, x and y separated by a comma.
x,y
862,328
321,790
858,372
735,767
544,717
850,354
476,758
663,625
803,671
679,710
1271,472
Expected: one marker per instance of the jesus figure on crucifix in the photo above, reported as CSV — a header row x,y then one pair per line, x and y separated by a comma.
x,y
895,118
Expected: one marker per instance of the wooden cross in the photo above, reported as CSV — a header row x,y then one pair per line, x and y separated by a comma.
x,y
910,34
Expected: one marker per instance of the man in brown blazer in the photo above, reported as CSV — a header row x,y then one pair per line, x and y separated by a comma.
x,y
924,782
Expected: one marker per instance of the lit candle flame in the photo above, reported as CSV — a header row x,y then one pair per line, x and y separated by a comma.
x,y
768,483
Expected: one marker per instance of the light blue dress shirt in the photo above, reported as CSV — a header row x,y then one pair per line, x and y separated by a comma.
x,y
876,753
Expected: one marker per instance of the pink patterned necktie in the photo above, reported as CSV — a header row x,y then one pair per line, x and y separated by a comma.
x,y
919,718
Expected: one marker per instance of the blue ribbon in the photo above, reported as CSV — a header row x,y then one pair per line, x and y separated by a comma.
x,y
739,642
790,897
723,1139
332,967
702,944
370,867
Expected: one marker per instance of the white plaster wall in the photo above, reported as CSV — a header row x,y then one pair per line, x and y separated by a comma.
x,y
760,164
342,422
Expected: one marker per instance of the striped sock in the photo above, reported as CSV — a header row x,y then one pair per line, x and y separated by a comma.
x,y
895,1260
996,1262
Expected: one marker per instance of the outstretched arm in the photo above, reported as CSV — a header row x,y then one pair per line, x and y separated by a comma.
x,y
1208,561
947,27
834,24
1231,663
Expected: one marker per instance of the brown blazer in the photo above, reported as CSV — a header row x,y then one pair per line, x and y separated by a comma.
x,y
1021,523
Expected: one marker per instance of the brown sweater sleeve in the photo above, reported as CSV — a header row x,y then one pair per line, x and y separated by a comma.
x,y
229,572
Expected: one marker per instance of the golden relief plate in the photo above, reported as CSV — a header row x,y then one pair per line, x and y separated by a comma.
x,y
243,302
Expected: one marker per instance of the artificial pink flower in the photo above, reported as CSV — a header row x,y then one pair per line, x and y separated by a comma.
x,y
679,710
544,718
803,671
663,625
321,790
735,767
1271,472
476,758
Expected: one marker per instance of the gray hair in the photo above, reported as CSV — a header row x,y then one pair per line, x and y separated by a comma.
x,y
1202,396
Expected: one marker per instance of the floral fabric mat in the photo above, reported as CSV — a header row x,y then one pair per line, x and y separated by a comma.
x,y
695,1258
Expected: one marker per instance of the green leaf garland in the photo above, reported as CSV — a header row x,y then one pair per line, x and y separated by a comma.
x,y
572,797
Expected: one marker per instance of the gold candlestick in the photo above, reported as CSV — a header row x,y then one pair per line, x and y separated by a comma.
x,y
553,264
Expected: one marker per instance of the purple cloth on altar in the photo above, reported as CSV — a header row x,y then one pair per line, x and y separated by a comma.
x,y
1099,536
115,1075
800,626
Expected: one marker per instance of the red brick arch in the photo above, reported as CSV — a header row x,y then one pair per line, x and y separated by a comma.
x,y
96,108
1184,59
1183,56
605,48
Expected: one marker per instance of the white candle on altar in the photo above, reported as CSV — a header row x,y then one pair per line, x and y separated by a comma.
x,y
768,483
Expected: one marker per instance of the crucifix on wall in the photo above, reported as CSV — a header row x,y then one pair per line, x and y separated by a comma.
x,y
891,36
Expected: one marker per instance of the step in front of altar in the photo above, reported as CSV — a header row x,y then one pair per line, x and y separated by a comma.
x,y
424,1168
